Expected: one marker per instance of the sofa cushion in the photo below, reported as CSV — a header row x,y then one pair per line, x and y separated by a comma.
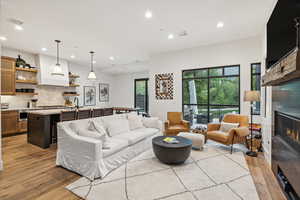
x,y
135,121
150,122
225,126
137,135
117,126
151,131
107,119
115,145
85,132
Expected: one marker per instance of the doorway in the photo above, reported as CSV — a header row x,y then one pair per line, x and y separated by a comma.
x,y
141,94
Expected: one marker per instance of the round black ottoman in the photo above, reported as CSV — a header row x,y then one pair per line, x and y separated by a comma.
x,y
172,153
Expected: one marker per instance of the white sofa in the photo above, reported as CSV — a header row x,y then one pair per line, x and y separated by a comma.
x,y
85,155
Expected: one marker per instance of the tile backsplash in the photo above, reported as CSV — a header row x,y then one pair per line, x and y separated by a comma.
x,y
47,96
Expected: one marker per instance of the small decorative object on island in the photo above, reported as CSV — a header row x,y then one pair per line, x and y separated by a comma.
x,y
103,92
89,95
164,86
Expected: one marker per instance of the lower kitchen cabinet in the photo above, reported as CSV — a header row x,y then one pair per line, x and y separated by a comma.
x,y
9,122
22,126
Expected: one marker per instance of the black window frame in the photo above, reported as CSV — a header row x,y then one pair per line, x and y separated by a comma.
x,y
251,86
208,77
147,95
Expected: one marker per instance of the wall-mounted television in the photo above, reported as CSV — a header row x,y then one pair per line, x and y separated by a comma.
x,y
281,31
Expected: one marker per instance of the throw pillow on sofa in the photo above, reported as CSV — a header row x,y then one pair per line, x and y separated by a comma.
x,y
83,131
225,126
150,122
117,126
135,122
98,127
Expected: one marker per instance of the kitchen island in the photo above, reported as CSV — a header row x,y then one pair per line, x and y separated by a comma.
x,y
42,125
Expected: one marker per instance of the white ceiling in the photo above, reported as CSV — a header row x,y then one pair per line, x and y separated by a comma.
x,y
118,27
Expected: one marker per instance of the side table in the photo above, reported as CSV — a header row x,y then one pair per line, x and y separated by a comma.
x,y
202,132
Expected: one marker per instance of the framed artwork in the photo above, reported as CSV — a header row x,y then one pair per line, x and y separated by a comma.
x,y
103,92
164,86
89,95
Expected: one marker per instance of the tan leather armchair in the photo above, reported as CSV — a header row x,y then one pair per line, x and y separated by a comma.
x,y
235,135
176,124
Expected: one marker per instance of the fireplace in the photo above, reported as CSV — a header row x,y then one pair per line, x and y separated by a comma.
x,y
286,153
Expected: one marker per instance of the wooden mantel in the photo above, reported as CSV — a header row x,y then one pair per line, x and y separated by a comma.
x,y
286,69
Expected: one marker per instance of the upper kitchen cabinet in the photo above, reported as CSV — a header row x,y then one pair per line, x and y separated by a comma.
x,y
8,80
47,65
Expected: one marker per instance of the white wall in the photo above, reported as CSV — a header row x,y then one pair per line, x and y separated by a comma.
x,y
123,89
266,120
242,52
52,95
83,71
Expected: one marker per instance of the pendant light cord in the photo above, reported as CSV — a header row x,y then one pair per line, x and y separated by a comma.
x,y
92,64
57,52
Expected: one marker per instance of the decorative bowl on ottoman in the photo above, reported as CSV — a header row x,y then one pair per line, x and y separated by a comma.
x,y
196,138
172,153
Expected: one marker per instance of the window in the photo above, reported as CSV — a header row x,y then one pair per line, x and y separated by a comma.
x,y
210,93
141,94
255,84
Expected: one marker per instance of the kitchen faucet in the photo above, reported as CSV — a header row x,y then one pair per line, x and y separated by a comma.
x,y
77,102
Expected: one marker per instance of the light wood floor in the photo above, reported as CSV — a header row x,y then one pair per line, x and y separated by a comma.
x,y
30,173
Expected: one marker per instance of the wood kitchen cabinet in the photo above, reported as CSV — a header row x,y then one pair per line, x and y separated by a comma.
x,y
22,126
8,76
9,122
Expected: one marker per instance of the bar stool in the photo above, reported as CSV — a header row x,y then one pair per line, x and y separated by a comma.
x,y
98,112
84,114
68,115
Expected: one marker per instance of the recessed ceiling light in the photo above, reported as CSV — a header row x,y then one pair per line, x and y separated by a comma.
x,y
148,14
94,61
3,38
44,49
220,25
72,56
111,58
18,27
170,36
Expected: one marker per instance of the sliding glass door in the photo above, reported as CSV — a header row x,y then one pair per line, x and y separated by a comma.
x,y
210,93
141,94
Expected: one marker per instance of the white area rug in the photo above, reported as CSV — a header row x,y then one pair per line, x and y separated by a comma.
x,y
211,174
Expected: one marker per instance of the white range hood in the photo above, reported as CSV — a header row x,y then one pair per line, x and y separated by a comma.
x,y
47,66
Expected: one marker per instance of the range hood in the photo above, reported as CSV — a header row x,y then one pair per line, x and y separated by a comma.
x,y
46,76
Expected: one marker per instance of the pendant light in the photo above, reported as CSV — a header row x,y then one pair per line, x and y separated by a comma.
x,y
57,70
92,74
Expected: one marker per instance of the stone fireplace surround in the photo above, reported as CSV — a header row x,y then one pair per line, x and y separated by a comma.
x,y
286,137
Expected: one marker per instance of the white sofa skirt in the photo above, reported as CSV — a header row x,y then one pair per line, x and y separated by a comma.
x,y
93,168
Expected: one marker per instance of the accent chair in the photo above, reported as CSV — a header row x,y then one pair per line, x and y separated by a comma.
x,y
176,124
234,135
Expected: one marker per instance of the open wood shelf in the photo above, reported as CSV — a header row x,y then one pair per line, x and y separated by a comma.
x,y
74,85
26,70
27,81
74,76
26,93
70,95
